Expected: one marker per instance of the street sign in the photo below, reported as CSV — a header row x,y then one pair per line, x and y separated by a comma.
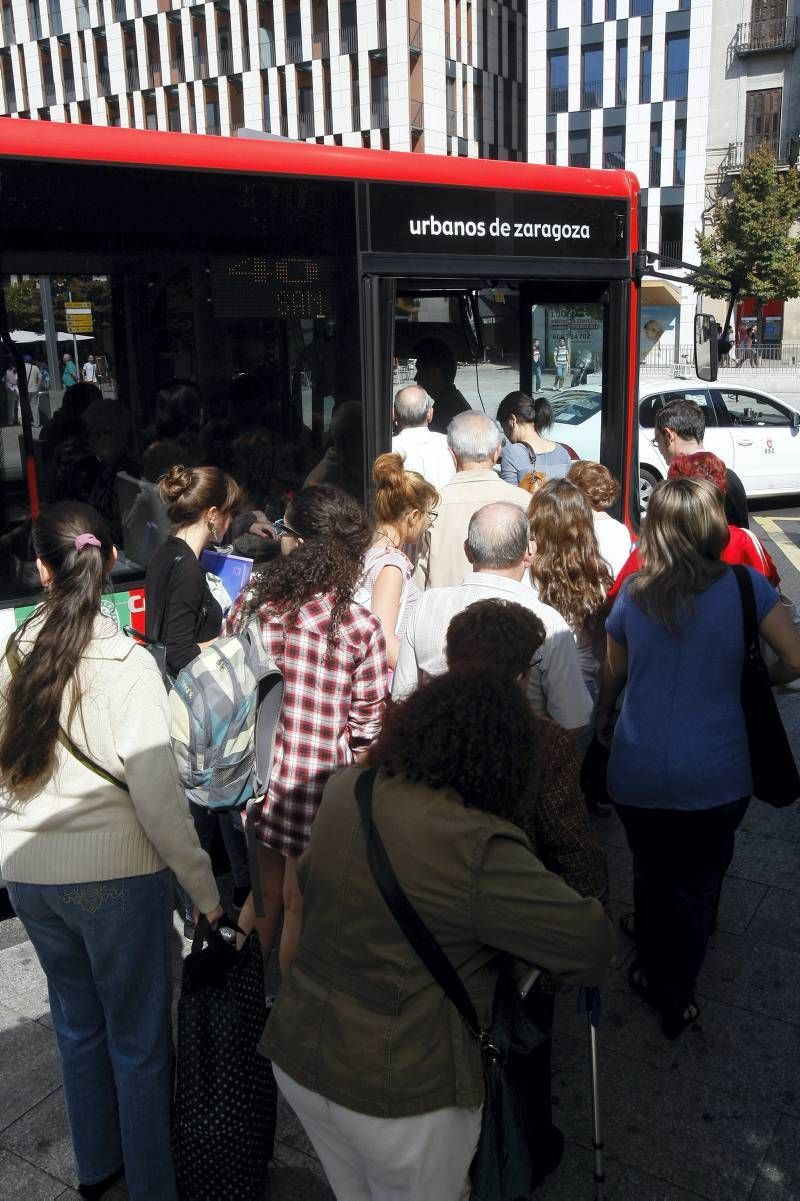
x,y
79,317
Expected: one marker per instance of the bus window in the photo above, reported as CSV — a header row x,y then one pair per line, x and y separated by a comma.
x,y
569,338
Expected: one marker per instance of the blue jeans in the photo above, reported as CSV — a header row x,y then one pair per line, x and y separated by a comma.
x,y
105,949
537,377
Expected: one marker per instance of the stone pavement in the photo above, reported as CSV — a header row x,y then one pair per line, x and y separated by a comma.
x,y
713,1116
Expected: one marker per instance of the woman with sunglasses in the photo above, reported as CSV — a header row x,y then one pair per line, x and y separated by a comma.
x,y
332,653
404,510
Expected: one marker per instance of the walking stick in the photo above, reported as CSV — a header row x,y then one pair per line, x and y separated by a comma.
x,y
591,999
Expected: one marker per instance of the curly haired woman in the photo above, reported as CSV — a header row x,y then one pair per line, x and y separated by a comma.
x,y
568,571
366,1048
332,653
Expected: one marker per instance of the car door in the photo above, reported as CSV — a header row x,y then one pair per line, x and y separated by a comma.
x,y
765,437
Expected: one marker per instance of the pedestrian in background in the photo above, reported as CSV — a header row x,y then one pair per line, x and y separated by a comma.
x,y
90,370
69,372
561,360
91,811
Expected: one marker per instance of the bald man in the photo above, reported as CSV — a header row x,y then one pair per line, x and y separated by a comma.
x,y
422,449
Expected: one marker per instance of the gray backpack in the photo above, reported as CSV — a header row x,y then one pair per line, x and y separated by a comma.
x,y
225,708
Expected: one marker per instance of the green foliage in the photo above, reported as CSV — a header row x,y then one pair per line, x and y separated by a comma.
x,y
750,238
25,309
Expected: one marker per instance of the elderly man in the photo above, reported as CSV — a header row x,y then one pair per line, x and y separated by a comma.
x,y
422,449
474,441
499,553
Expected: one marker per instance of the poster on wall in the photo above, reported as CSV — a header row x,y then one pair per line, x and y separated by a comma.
x,y
657,325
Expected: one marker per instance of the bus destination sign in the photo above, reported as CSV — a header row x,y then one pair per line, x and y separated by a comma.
x,y
409,219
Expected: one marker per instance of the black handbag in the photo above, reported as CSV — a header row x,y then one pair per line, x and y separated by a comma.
x,y
225,1104
502,1169
775,776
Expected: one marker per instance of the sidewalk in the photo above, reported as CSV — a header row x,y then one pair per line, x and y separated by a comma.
x,y
714,1116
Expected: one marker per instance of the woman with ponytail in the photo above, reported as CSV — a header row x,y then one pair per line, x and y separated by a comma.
x,y
525,422
332,653
404,503
92,816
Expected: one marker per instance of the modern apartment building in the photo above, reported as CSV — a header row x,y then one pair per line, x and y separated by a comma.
x,y
755,98
625,83
448,77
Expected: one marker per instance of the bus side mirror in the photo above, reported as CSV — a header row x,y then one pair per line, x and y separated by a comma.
x,y
706,347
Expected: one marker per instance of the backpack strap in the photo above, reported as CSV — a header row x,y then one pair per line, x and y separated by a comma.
x,y
14,663
749,614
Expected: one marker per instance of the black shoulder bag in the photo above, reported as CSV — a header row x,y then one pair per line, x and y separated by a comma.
x,y
775,775
502,1169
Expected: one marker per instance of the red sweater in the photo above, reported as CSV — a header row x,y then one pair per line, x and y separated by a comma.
x,y
743,547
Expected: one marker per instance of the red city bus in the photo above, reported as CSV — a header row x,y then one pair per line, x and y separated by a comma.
x,y
289,281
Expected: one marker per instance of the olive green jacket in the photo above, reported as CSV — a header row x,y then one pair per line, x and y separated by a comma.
x,y
359,1019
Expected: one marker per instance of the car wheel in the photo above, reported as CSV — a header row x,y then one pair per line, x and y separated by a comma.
x,y
647,482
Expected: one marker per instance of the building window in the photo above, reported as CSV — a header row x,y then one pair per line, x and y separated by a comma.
x,y
671,240
611,10
552,14
558,81
622,73
586,12
579,152
551,151
614,147
641,8
679,160
676,77
684,5
592,77
645,69
762,120
655,154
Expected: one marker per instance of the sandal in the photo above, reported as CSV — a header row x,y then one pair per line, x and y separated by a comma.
x,y
627,924
675,1021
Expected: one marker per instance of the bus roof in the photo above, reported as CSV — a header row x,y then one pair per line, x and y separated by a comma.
x,y
107,145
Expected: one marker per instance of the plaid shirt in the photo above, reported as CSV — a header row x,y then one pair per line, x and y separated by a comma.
x,y
331,709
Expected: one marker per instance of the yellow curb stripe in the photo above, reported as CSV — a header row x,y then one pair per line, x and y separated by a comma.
x,y
782,540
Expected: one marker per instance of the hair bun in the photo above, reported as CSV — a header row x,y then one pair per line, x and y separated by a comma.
x,y
388,470
173,485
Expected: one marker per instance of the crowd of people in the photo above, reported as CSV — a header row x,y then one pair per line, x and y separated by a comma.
x,y
457,655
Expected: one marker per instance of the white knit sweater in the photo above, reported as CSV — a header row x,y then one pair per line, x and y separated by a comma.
x,y
77,828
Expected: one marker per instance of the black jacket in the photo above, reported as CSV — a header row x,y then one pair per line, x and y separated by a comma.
x,y
736,510
180,610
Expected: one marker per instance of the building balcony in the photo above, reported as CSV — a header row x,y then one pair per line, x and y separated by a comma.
x,y
245,58
592,93
557,100
266,55
327,121
621,94
414,36
348,39
155,76
213,126
784,149
120,10
417,116
679,170
237,124
379,114
84,16
225,61
284,125
671,250
452,122
132,83
320,43
676,85
11,100
54,17
580,159
655,168
177,70
355,116
104,83
35,23
613,160
200,64
765,37
9,34
49,92
70,91
294,49
305,125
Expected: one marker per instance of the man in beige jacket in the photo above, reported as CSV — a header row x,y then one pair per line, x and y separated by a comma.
x,y
474,440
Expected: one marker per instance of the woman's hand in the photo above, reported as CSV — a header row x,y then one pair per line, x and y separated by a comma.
x,y
215,917
604,727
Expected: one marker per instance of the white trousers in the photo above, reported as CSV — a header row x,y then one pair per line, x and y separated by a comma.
x,y
423,1158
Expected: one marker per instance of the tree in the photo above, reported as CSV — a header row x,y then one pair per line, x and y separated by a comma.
x,y
23,305
750,239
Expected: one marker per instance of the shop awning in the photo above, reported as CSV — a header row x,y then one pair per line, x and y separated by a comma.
x,y
658,291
